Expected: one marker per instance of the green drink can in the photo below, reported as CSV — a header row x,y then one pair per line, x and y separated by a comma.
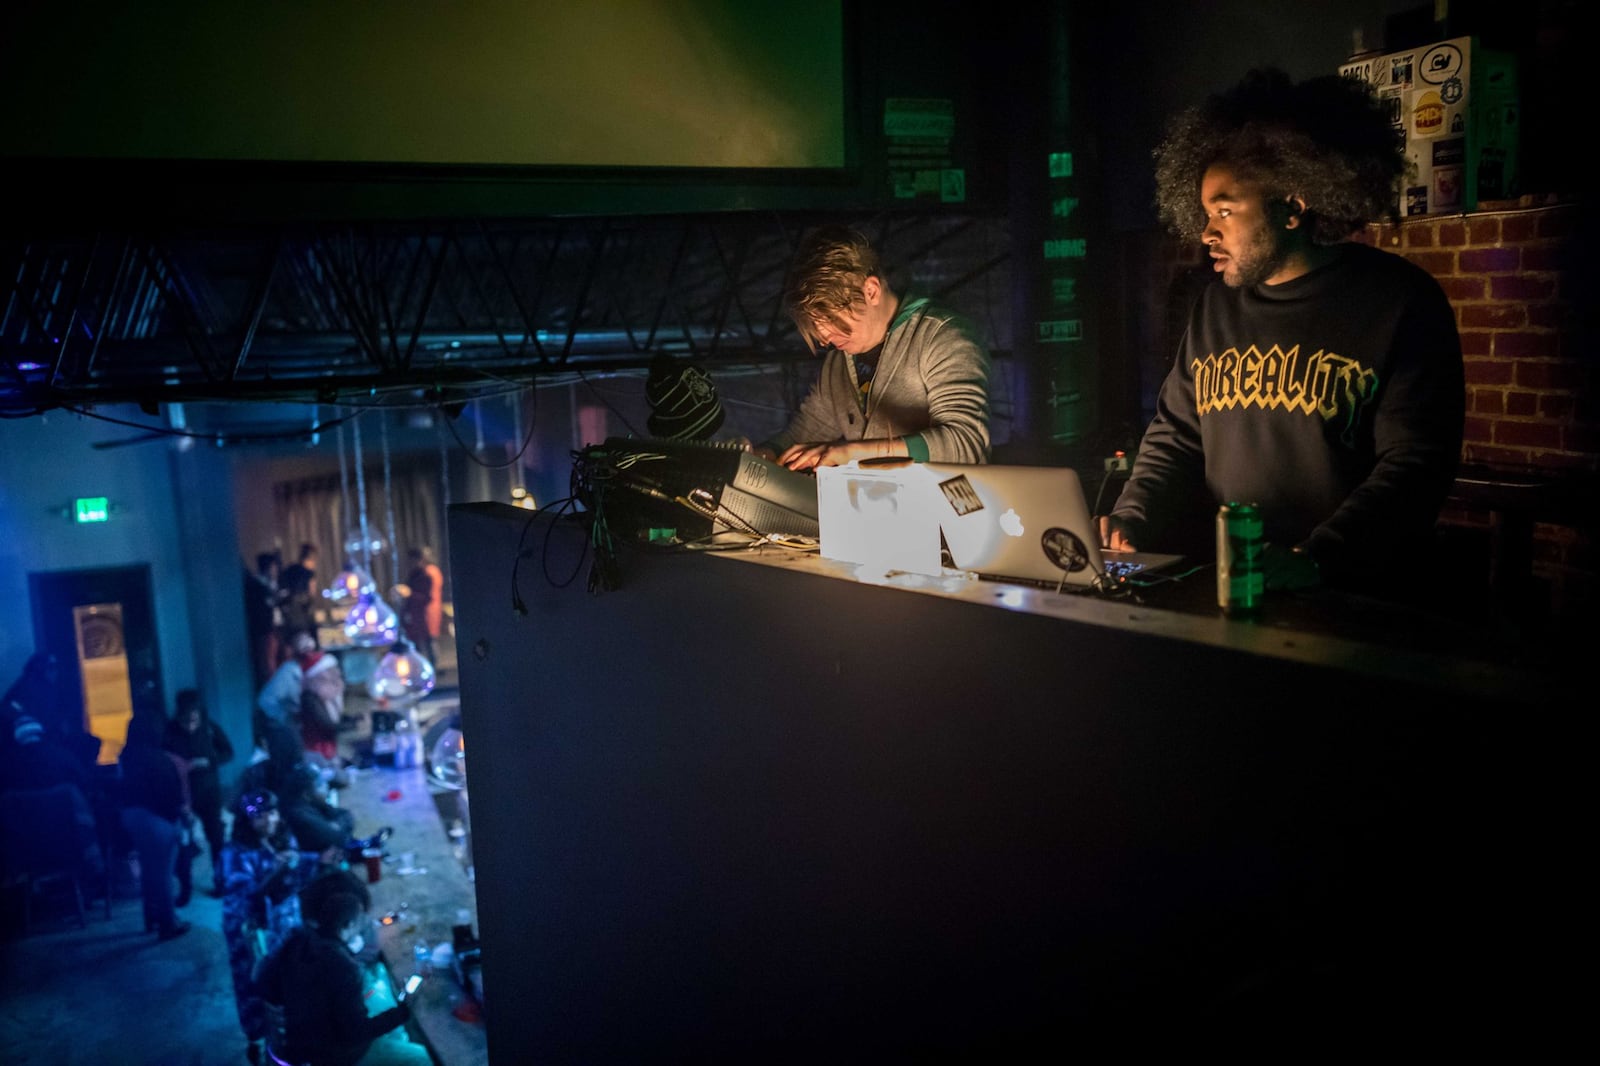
x,y
1240,582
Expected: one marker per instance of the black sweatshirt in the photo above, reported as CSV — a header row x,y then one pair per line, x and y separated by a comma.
x,y
1335,401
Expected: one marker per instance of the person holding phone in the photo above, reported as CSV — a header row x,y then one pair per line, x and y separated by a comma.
x,y
318,984
263,871
194,736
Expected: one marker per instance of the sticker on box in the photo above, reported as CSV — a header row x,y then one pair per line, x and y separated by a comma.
x,y
1446,188
1427,115
1441,63
1400,69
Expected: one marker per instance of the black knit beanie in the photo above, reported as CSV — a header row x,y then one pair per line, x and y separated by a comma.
x,y
683,401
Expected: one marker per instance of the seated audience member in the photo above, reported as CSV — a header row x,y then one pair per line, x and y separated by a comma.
x,y
194,737
263,869
343,879
315,978
277,753
316,823
32,760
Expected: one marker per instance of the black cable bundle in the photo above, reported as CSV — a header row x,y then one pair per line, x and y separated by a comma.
x,y
559,509
604,575
595,484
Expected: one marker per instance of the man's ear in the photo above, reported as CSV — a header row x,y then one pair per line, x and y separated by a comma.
x,y
1294,211
872,290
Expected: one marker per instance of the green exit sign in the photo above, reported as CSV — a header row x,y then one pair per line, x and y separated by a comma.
x,y
91,509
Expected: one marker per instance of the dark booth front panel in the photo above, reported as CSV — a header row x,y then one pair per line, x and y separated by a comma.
x,y
730,810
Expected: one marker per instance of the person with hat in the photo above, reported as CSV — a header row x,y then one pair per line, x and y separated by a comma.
x,y
33,758
321,705
37,693
263,869
899,377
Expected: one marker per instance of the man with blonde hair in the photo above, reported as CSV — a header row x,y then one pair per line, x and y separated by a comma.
x,y
898,378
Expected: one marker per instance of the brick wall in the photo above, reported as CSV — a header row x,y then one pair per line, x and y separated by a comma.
x,y
1517,279
1513,278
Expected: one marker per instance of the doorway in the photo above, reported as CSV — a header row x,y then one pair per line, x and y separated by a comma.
x,y
100,626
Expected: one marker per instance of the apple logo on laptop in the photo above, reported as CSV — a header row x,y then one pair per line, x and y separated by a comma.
x,y
1011,522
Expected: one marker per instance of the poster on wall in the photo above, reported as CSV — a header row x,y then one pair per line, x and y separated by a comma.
x,y
917,134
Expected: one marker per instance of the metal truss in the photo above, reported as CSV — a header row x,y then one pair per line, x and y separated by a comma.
x,y
320,312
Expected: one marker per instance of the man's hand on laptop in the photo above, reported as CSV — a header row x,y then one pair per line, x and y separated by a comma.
x,y
840,452
1114,535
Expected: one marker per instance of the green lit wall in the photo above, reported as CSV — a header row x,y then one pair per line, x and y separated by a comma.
x,y
619,83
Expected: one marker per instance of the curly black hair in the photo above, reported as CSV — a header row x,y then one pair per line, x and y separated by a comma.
x,y
1328,140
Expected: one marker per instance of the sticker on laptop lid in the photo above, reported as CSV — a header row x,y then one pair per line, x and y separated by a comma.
x,y
961,495
1064,549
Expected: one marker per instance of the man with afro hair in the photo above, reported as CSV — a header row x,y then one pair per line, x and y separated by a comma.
x,y
1322,378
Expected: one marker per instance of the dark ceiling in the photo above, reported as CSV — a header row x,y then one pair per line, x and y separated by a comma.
x,y
319,311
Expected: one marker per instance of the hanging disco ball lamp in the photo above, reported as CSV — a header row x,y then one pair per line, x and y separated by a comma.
x,y
350,584
371,622
447,759
402,677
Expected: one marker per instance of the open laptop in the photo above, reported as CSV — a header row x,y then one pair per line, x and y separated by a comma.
x,y
1029,524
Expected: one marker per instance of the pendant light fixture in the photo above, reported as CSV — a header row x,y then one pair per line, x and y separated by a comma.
x,y
371,622
388,501
444,489
353,580
403,677
350,585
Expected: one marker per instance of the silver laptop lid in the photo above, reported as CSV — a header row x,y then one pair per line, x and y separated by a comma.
x,y
1024,523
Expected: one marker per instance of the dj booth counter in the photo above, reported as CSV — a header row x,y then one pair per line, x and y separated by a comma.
x,y
749,806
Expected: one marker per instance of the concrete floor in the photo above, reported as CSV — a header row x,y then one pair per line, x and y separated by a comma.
x,y
112,995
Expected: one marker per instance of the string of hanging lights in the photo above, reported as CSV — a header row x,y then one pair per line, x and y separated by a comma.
x,y
371,621
403,676
352,580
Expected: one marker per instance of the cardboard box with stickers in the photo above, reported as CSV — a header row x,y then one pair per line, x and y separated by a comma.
x,y
1458,106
